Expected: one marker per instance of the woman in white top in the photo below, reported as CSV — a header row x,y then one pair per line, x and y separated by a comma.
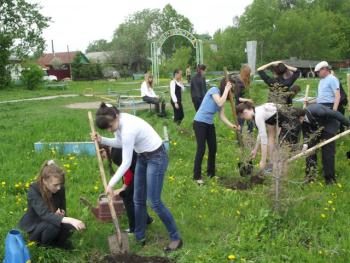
x,y
265,117
176,88
133,133
148,95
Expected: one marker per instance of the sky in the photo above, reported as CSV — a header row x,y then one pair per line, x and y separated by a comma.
x,y
77,22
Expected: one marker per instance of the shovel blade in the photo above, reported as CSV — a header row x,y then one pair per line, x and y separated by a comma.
x,y
119,248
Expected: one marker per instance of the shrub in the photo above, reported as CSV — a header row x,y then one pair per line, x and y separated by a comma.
x,y
32,76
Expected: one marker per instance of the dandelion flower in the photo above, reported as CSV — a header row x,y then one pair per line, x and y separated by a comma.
x,y
333,208
330,202
238,212
323,215
3,184
339,185
31,243
25,209
231,257
16,185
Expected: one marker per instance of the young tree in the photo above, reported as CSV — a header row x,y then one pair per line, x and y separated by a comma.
x,y
21,27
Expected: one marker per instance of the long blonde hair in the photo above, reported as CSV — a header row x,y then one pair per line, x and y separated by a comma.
x,y
245,75
48,170
147,76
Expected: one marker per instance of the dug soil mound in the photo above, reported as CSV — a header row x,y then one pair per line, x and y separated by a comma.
x,y
129,258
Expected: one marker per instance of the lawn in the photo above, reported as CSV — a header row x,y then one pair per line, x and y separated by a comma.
x,y
217,224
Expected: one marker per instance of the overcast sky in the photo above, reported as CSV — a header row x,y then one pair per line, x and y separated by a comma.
x,y
78,22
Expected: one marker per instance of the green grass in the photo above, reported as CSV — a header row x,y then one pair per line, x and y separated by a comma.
x,y
215,222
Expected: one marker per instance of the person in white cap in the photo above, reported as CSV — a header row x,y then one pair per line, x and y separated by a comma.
x,y
328,88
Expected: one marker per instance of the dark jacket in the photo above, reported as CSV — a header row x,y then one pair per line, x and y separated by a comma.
x,y
279,91
38,211
320,116
198,86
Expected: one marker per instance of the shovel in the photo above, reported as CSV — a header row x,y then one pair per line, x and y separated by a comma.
x,y
245,168
118,243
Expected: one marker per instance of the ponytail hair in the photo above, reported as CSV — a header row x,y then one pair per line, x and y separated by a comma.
x,y
48,170
244,106
224,82
105,114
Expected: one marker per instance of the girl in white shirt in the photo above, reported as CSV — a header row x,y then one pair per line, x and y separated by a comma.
x,y
133,133
265,117
176,88
148,95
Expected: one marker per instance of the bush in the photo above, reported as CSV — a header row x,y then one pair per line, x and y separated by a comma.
x,y
32,76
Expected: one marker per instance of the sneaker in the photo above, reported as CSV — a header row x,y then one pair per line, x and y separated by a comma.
x,y
150,221
129,231
173,246
200,182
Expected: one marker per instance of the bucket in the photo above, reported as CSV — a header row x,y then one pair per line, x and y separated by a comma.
x,y
16,250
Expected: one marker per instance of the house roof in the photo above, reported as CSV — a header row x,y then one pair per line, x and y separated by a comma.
x,y
64,57
300,63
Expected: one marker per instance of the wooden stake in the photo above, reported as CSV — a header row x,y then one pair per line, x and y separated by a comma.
x,y
306,99
348,78
321,144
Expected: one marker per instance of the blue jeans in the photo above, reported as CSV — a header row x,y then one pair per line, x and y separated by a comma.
x,y
148,184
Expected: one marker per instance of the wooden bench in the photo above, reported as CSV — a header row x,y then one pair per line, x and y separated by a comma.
x,y
60,85
131,102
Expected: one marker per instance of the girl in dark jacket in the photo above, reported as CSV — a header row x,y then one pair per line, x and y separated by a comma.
x,y
46,220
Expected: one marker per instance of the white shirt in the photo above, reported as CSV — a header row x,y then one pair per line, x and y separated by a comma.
x,y
147,91
133,133
263,113
172,89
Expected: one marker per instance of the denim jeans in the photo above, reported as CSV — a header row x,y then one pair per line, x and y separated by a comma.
x,y
148,184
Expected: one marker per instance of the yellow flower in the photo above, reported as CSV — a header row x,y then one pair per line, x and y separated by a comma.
x,y
320,252
72,158
323,216
231,257
238,212
27,185
66,165
3,184
16,185
171,178
339,185
31,243
333,208
96,188
330,202
326,208
25,209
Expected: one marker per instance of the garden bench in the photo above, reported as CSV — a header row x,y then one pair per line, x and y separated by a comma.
x,y
61,85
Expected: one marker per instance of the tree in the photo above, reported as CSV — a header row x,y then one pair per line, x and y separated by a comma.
x,y
179,60
98,46
21,28
171,19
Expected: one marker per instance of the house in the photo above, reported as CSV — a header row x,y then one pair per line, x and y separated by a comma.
x,y
15,67
59,63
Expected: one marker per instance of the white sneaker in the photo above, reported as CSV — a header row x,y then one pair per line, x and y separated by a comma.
x,y
200,182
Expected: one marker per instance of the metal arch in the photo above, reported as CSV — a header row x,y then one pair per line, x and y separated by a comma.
x,y
157,45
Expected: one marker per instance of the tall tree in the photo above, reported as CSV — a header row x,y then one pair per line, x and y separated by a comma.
x,y
21,28
98,45
171,19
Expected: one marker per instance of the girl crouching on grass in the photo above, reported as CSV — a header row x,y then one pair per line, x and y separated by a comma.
x,y
46,220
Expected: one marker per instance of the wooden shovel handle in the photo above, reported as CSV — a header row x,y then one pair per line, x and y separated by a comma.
x,y
233,110
104,181
317,146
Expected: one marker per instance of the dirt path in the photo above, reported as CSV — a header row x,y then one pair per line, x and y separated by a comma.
x,y
40,98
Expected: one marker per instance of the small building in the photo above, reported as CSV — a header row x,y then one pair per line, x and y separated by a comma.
x,y
59,63
15,67
306,66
